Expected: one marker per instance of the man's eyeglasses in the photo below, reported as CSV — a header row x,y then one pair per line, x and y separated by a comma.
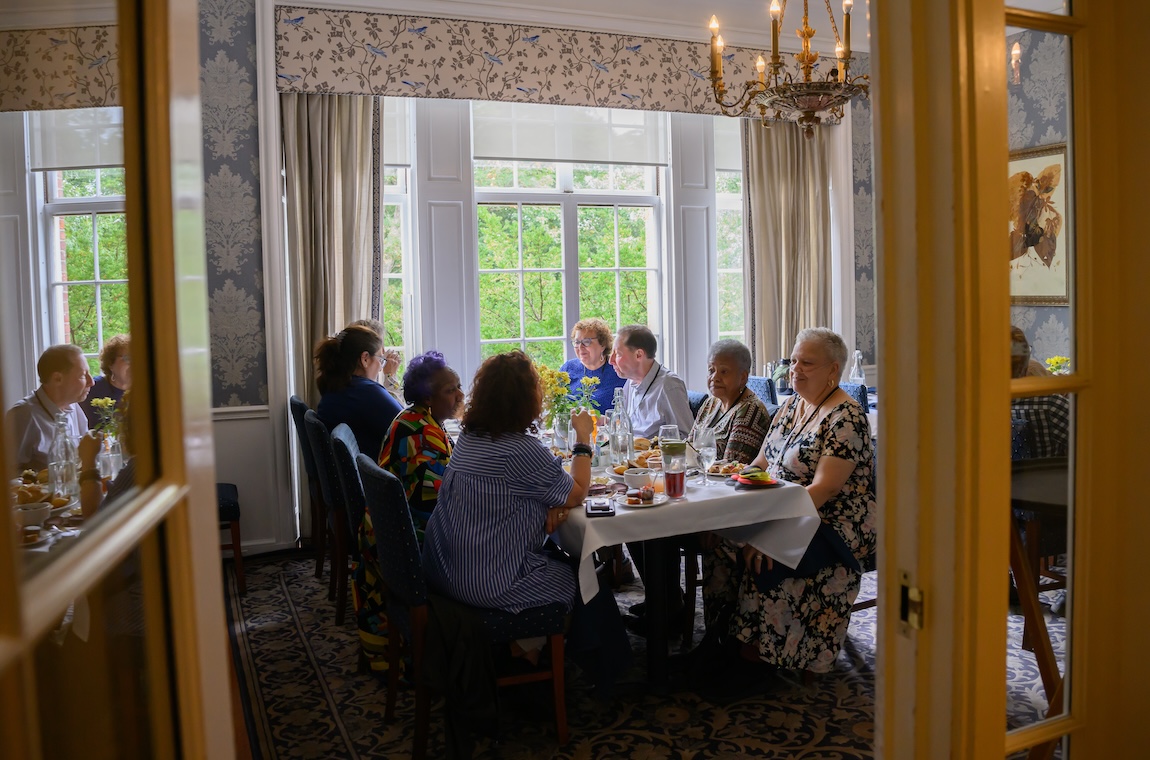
x,y
585,342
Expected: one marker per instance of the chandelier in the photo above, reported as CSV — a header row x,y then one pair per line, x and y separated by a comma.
x,y
777,93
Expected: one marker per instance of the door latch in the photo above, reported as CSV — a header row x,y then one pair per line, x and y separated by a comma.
x,y
911,604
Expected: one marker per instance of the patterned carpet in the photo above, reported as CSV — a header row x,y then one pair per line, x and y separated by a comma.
x,y
304,699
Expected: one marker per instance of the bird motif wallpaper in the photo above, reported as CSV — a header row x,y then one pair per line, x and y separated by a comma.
x,y
51,69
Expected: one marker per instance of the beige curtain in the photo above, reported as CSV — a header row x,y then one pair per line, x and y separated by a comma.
x,y
788,251
328,165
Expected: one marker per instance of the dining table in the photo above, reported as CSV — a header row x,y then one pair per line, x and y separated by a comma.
x,y
779,520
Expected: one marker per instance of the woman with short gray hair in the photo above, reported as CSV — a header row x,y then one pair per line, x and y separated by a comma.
x,y
733,411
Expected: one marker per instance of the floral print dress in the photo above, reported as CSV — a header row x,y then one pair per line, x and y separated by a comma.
x,y
800,621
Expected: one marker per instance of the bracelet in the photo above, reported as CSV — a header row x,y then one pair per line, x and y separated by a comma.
x,y
581,449
89,475
581,454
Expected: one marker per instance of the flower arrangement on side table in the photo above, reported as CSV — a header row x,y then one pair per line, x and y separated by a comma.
x,y
558,402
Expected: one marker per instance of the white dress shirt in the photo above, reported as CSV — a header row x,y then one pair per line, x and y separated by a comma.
x,y
32,424
660,398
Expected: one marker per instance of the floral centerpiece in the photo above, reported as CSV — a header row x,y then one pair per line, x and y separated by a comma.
x,y
558,401
1058,365
109,423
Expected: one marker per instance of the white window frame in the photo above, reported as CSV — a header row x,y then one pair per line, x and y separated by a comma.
x,y
729,202
400,195
570,200
48,253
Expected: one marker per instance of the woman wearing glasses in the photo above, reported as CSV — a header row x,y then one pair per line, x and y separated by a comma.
x,y
591,339
346,365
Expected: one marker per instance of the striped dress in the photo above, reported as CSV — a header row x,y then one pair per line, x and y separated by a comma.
x,y
483,544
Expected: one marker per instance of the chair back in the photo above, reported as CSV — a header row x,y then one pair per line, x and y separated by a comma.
x,y
298,410
345,449
696,399
324,457
396,547
1019,439
857,391
764,388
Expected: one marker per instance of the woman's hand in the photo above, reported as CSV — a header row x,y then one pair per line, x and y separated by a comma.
x,y
754,559
556,516
583,423
390,362
89,448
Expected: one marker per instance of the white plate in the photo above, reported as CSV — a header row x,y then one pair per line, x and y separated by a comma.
x,y
61,510
44,535
621,500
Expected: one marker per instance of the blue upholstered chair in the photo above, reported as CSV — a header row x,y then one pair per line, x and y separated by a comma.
x,y
696,399
764,388
315,493
228,508
332,490
1019,439
346,449
407,605
857,391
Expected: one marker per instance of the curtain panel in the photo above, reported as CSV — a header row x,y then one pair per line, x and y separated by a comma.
x,y
327,145
788,250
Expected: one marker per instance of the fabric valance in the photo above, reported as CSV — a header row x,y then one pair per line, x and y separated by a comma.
x,y
49,69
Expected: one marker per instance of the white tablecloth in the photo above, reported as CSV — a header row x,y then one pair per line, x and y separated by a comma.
x,y
780,522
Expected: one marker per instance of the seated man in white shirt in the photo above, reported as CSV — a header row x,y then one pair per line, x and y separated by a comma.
x,y
64,382
654,394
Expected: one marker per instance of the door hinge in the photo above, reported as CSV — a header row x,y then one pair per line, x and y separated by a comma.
x,y
911,604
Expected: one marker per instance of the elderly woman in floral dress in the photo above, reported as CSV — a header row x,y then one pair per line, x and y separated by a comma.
x,y
819,438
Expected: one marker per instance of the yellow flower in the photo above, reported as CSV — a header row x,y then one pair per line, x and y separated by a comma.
x,y
1059,365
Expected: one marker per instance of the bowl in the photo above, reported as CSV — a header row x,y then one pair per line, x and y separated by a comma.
x,y
32,514
637,477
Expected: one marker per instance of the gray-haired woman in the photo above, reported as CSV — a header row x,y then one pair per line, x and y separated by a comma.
x,y
733,411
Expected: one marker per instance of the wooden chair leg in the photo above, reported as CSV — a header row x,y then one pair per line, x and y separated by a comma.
x,y
339,558
691,578
393,645
332,576
618,564
238,556
422,698
559,687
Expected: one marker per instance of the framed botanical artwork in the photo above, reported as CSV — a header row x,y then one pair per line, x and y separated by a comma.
x,y
1041,243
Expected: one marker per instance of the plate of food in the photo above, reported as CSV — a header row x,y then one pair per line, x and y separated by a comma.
x,y
61,504
637,498
753,477
725,468
32,536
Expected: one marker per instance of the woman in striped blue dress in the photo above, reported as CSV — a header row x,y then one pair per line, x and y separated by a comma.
x,y
502,494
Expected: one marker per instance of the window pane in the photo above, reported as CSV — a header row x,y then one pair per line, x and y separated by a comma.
x,y
730,302
114,309
596,236
633,224
491,349
729,183
111,182
111,231
537,175
543,304
499,306
78,183
730,239
547,352
392,247
391,311
542,237
633,178
592,176
77,257
597,296
494,174
498,237
638,300
391,176
79,313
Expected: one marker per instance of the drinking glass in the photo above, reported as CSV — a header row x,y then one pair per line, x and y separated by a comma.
x,y
668,433
705,446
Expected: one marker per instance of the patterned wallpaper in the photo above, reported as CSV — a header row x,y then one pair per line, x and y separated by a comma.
x,y
866,303
231,202
50,69
1038,114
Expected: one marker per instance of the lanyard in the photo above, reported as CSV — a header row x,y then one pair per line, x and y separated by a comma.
x,y
653,379
799,431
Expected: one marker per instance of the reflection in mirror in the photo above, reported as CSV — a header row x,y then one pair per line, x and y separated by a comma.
x,y
66,381
1041,192
1041,556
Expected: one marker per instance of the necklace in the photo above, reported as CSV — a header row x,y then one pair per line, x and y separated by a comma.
x,y
797,432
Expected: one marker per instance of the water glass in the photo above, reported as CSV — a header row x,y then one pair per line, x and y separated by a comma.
x,y
668,433
705,446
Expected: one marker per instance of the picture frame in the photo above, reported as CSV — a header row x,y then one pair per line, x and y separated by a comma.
x,y
1040,229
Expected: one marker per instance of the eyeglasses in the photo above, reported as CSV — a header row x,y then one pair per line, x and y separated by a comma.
x,y
585,342
382,358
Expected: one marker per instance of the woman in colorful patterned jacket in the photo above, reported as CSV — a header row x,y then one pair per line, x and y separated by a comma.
x,y
416,449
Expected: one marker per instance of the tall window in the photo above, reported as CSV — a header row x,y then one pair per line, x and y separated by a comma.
x,y
730,238
562,241
394,288
87,266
